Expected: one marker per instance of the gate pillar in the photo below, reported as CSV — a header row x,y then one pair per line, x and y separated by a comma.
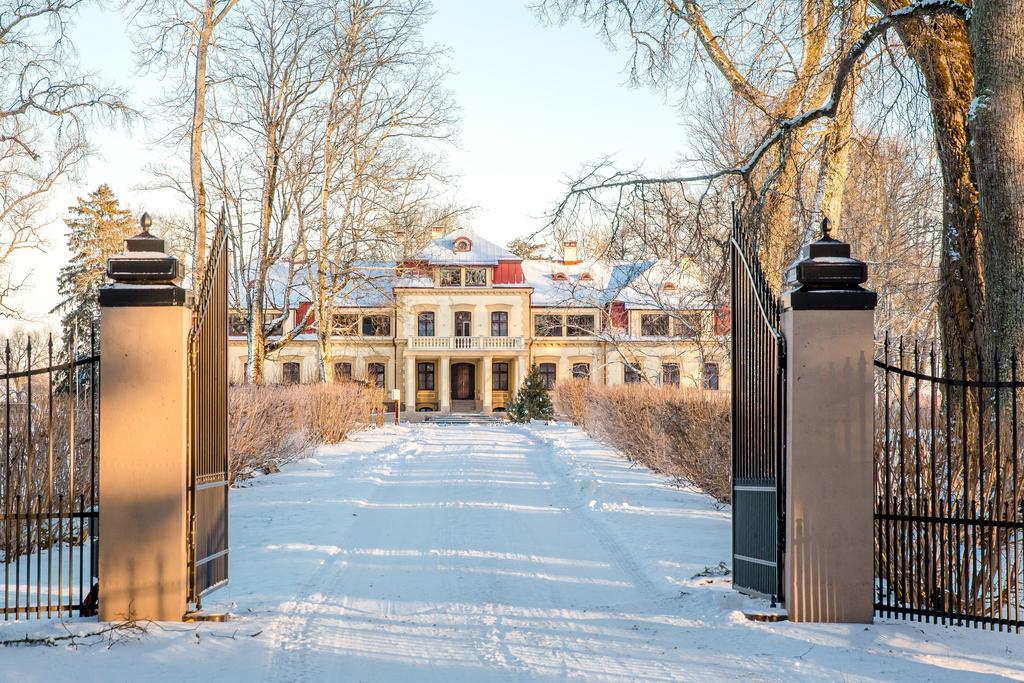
x,y
828,323
145,320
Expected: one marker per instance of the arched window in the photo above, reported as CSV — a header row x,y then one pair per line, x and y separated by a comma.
x,y
585,277
560,277
425,324
463,244
669,286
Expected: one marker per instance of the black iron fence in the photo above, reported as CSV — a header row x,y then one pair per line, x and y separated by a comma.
x,y
208,425
758,425
949,530
48,487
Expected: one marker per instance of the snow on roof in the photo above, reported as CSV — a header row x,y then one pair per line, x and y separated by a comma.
x,y
480,252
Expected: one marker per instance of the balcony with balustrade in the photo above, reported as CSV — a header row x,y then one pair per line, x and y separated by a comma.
x,y
466,344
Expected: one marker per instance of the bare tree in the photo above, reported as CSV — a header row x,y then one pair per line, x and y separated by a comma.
x,y
45,111
176,33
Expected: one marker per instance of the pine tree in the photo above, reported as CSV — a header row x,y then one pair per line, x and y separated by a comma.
x,y
532,400
97,228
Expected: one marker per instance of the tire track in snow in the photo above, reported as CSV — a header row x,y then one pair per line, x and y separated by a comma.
x,y
292,634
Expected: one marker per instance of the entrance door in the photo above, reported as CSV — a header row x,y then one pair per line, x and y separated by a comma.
x,y
463,381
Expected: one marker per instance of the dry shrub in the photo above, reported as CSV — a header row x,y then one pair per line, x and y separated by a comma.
x,y
271,425
682,433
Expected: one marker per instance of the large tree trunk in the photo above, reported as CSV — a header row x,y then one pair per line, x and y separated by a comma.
x,y
997,135
940,48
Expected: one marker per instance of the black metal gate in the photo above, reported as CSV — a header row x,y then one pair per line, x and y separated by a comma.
x,y
48,489
208,423
758,425
949,505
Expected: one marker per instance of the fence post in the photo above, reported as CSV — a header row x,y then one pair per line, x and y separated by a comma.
x,y
828,323
144,324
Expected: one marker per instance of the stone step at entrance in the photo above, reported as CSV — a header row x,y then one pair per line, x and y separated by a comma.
x,y
463,406
464,419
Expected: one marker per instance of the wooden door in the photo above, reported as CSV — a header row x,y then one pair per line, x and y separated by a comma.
x,y
462,381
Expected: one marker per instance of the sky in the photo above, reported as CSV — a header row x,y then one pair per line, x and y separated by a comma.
x,y
537,102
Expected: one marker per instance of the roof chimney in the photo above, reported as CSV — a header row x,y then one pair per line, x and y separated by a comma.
x,y
436,232
570,254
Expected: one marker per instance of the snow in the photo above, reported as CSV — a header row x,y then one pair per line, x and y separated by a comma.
x,y
493,552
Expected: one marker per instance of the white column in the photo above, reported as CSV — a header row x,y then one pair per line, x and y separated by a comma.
x,y
487,384
410,383
520,372
445,391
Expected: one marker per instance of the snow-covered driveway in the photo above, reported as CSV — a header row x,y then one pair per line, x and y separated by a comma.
x,y
494,553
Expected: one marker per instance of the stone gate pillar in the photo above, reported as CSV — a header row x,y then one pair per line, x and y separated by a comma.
x,y
828,323
144,324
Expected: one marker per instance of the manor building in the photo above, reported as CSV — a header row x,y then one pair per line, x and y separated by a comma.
x,y
458,326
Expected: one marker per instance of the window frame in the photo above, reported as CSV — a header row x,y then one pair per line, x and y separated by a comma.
x,y
631,374
451,271
385,331
466,317
340,371
237,325
499,318
341,330
667,376
706,378
663,320
426,376
686,331
499,376
546,369
584,375
559,330
375,377
423,317
575,330
475,271
286,368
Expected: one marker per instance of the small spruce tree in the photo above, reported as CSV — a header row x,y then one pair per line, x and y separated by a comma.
x,y
532,401
97,228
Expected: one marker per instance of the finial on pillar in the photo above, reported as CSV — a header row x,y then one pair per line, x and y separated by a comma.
x,y
145,221
826,228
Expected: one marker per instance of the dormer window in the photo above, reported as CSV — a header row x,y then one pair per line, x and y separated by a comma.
x,y
560,277
669,286
463,244
585,277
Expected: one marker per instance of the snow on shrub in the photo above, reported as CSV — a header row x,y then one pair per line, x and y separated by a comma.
x,y
273,424
680,432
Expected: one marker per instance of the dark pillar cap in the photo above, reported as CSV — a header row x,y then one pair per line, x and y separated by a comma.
x,y
144,274
829,278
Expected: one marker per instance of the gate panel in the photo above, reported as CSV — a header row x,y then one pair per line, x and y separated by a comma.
x,y
758,425
48,480
208,420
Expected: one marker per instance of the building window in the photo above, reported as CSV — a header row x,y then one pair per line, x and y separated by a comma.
x,y
343,372
346,324
547,325
711,376
654,325
499,376
476,277
670,374
560,277
581,371
548,375
451,277
425,324
688,325
632,375
579,325
499,324
236,325
291,373
375,372
425,376
463,244
376,325
463,324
